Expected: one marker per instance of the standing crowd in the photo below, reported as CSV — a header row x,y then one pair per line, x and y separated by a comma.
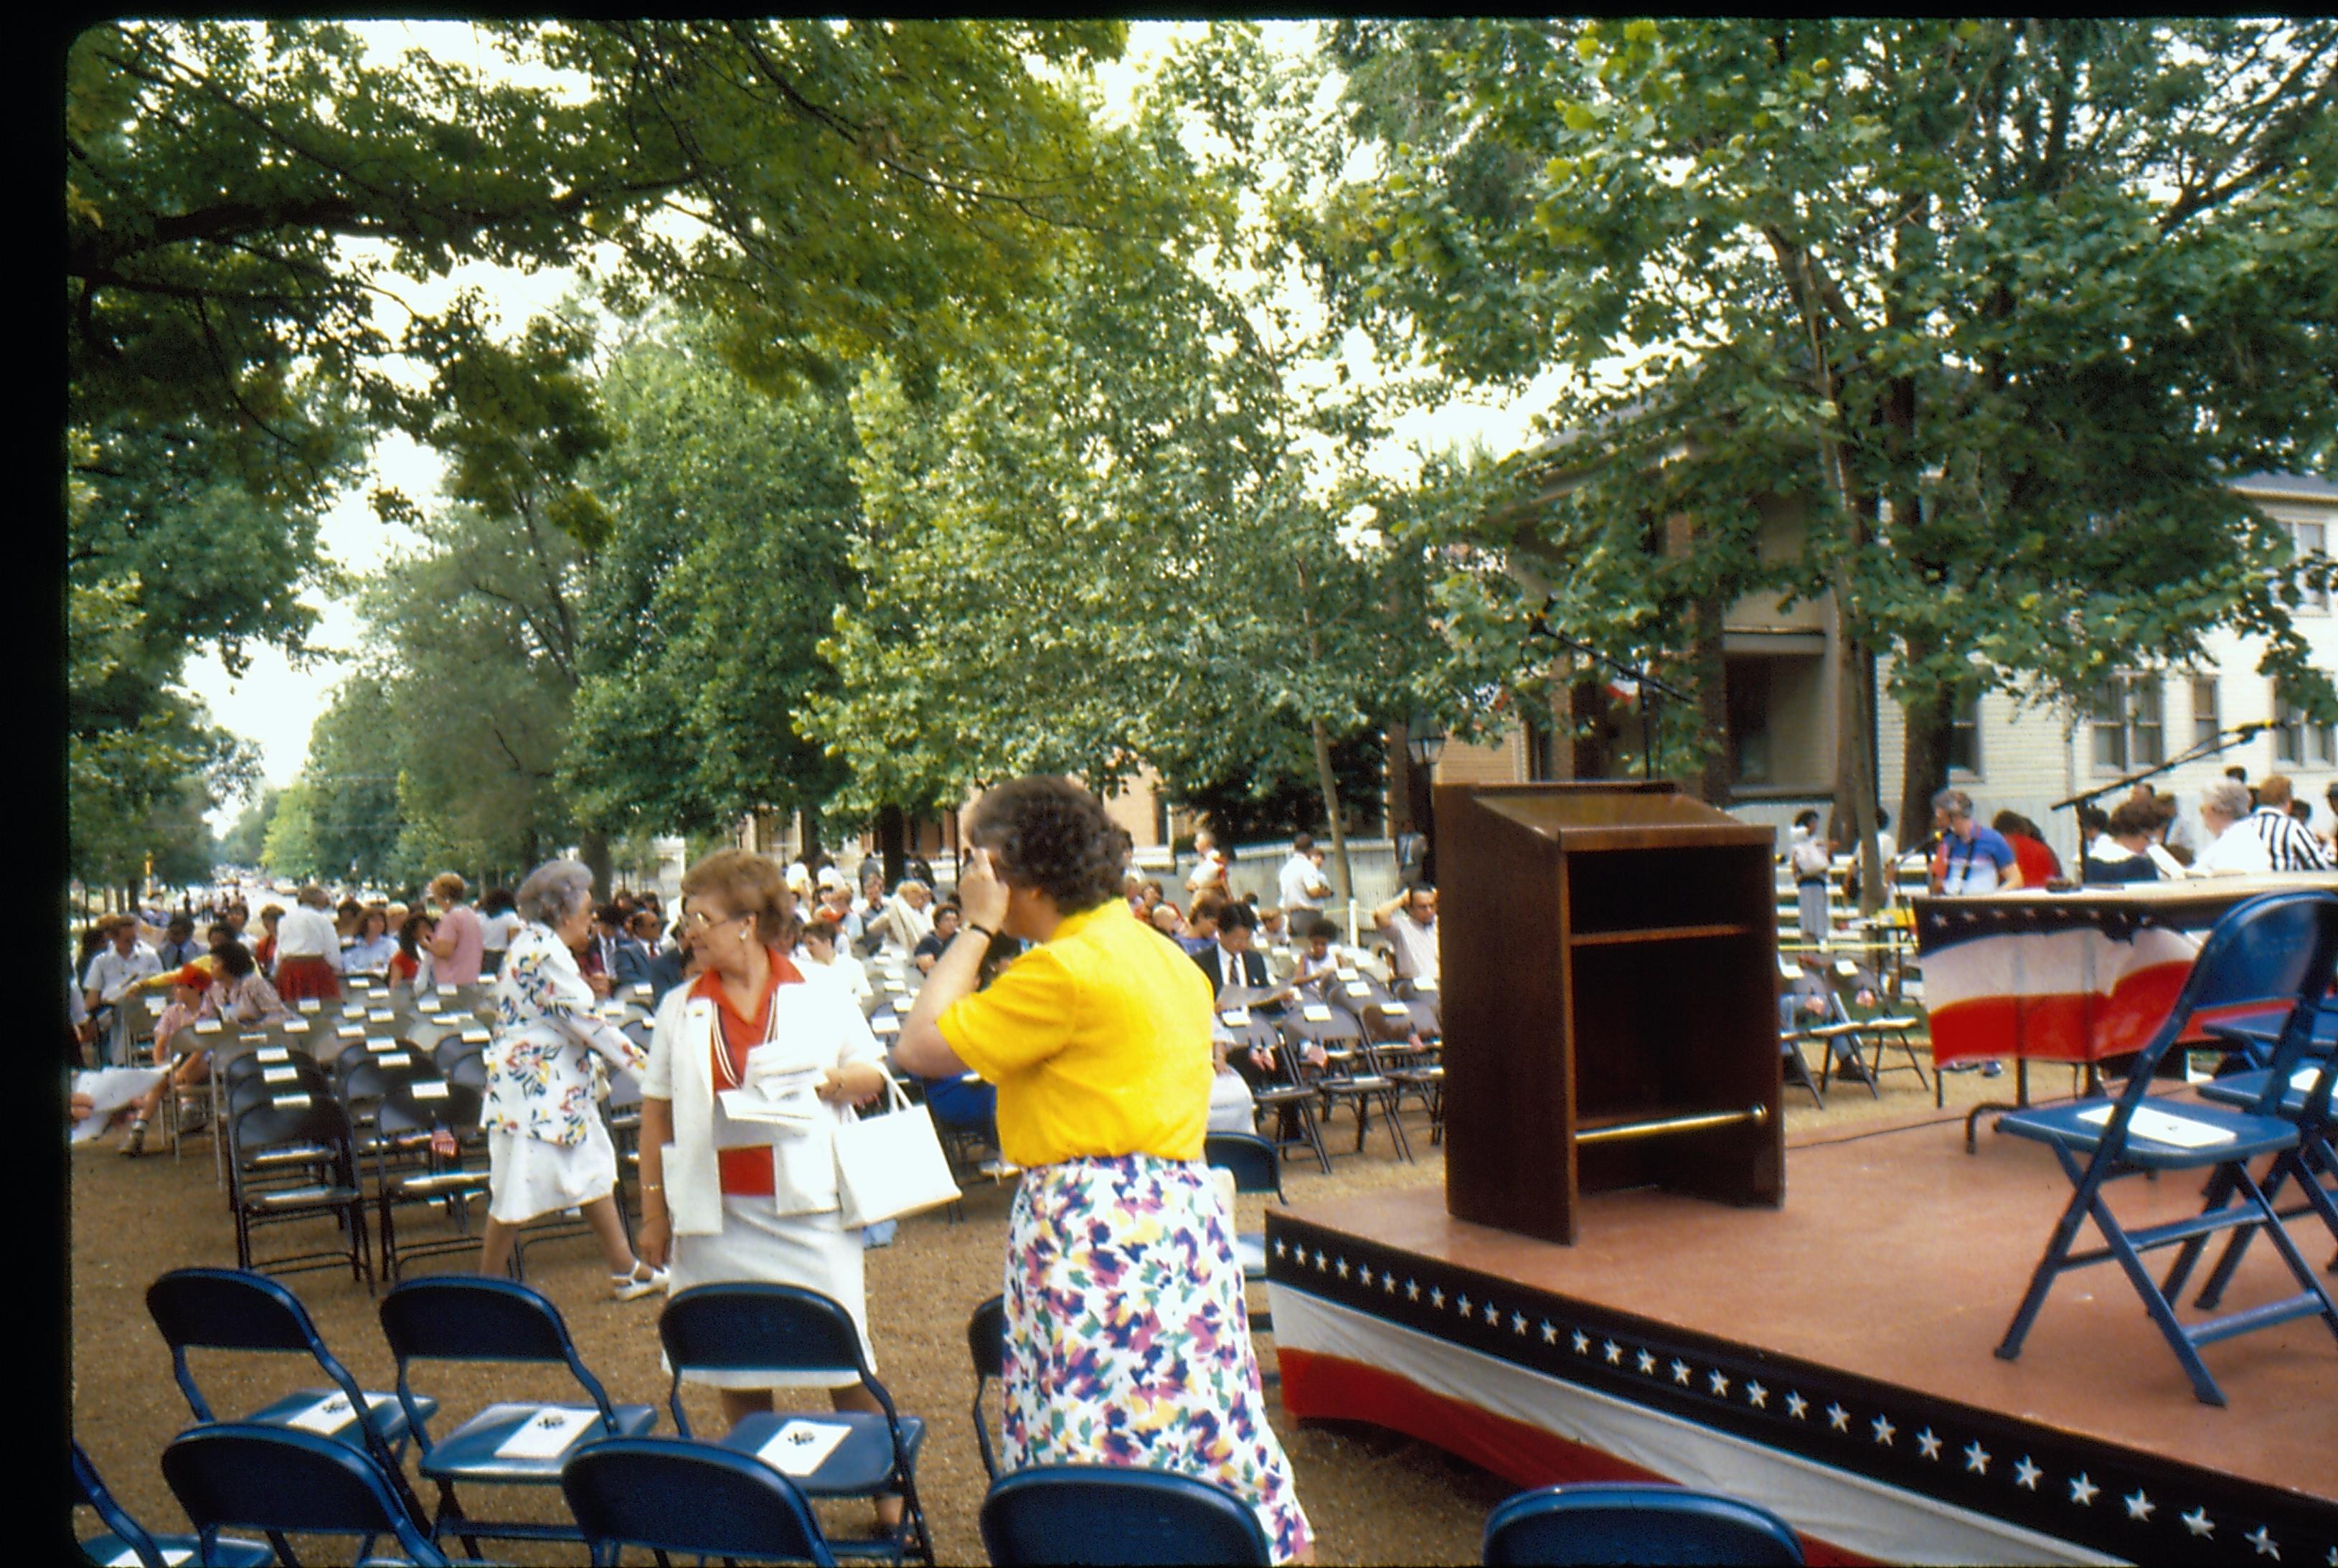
x,y
1066,1002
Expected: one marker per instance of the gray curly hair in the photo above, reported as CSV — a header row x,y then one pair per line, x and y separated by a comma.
x,y
555,891
2227,797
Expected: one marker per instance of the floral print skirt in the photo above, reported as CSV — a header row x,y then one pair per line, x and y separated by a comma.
x,y
1127,1339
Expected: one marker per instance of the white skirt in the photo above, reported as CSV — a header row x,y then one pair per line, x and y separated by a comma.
x,y
527,1177
810,1252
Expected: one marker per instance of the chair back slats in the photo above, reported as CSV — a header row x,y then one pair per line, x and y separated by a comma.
x,y
454,1317
667,1495
2264,952
759,1327
753,1327
1629,1523
1078,1514
458,1317
229,1309
281,1481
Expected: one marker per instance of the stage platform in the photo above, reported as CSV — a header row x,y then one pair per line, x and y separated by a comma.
x,y
1830,1359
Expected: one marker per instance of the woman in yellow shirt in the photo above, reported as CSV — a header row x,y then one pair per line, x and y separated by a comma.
x,y
1127,1342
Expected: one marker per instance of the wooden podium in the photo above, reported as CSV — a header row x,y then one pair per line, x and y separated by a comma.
x,y
1609,957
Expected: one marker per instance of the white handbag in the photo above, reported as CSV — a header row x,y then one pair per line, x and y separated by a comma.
x,y
891,1164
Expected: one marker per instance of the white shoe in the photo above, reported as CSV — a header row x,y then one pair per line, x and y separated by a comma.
x,y
633,1287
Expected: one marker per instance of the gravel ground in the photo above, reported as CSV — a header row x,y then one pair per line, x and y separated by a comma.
x,y
1374,1496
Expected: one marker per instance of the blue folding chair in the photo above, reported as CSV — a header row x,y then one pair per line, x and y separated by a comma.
x,y
783,1331
671,1495
2301,1096
1635,1523
229,1309
127,1537
986,1342
1106,1514
2279,949
464,1317
282,1482
1257,1167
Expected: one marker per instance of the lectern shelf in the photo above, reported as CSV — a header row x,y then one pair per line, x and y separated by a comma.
x,y
1610,1016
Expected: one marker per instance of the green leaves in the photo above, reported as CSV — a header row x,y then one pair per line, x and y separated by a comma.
x,y
2034,256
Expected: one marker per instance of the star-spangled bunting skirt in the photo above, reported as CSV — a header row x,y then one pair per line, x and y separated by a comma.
x,y
1127,1339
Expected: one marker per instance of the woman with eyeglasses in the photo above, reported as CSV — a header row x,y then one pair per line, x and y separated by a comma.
x,y
736,1199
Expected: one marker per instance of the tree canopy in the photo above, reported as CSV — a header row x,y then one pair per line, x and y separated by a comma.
x,y
2001,304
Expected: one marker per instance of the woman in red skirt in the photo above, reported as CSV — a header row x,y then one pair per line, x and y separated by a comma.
x,y
309,948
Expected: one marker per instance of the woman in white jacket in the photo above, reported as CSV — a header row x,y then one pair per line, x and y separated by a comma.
x,y
753,1199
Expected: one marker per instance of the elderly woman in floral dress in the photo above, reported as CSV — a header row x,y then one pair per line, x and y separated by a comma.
x,y
547,1148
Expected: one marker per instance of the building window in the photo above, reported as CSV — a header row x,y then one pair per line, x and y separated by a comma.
x,y
2125,718
2299,741
1543,741
2312,540
2207,722
1964,736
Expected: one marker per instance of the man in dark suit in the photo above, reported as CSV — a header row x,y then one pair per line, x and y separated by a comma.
x,y
637,950
670,967
1229,959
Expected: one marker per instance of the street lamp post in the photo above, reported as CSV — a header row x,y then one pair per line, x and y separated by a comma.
x,y
1424,741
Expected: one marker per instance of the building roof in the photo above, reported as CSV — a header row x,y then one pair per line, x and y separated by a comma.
x,y
2299,484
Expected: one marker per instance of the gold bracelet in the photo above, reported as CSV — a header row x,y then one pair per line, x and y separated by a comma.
x,y
653,1186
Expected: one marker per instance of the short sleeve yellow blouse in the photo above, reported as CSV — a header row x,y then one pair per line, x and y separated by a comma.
x,y
1098,1040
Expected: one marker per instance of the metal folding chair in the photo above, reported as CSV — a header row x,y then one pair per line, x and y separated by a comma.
x,y
463,1318
2277,949
668,1495
282,1482
783,1330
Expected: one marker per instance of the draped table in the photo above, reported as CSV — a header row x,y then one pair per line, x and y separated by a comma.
x,y
2076,976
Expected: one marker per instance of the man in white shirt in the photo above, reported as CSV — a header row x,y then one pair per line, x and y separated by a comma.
x,y
908,919
112,970
2234,846
824,961
1301,882
1410,921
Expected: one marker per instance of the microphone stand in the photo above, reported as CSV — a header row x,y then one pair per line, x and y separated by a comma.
x,y
1647,680
2225,740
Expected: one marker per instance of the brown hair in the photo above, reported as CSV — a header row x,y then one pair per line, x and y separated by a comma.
x,y
1050,833
2133,816
750,885
447,887
2275,790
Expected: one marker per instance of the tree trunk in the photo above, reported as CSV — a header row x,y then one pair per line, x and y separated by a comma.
x,y
1399,783
892,843
1329,784
1854,755
1717,770
1923,763
1587,703
594,846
